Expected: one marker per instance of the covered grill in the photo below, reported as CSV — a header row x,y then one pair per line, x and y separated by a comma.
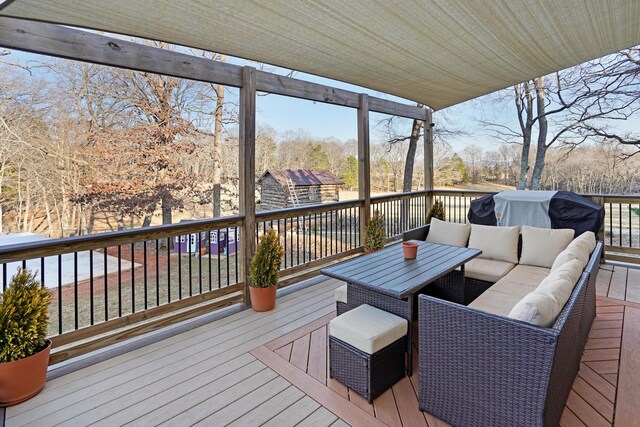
x,y
547,209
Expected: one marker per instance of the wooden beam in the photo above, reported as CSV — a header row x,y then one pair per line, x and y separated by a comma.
x,y
428,157
247,172
364,163
64,42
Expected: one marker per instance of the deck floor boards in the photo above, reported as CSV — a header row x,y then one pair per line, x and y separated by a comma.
x,y
593,401
211,373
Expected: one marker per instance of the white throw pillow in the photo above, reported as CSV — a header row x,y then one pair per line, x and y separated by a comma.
x,y
537,309
500,243
541,246
448,233
561,282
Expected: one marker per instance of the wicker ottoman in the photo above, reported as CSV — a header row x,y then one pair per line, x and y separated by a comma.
x,y
341,299
366,350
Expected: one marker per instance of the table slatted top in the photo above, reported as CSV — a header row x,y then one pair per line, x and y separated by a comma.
x,y
388,272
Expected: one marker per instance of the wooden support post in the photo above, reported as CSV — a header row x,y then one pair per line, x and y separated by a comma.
x,y
247,173
428,157
364,163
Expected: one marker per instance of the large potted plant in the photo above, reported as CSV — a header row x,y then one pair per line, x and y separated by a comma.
x,y
374,234
24,349
263,273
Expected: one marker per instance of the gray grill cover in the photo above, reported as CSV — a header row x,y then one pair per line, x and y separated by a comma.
x,y
521,207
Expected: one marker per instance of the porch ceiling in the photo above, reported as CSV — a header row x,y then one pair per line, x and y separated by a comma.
x,y
436,52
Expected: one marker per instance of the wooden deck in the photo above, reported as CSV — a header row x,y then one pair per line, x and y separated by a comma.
x,y
252,369
615,281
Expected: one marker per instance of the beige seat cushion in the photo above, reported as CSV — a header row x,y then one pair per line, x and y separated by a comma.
x,y
448,233
499,243
529,276
520,281
537,309
341,294
541,246
367,328
489,270
495,302
561,282
580,248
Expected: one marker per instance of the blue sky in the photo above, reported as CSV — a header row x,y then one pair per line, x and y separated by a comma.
x,y
330,121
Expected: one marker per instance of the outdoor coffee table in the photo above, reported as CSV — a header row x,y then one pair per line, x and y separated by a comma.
x,y
387,281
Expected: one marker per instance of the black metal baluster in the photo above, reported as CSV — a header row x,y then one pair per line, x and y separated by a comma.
x,y
285,242
228,281
209,256
4,277
119,281
144,262
304,239
610,224
630,238
321,236
91,308
59,292
340,225
106,287
169,267
133,279
235,258
200,261
219,263
297,241
157,273
75,290
180,267
42,271
620,222
190,261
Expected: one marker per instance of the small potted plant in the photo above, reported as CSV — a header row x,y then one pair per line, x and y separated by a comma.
x,y
436,211
374,234
24,349
263,273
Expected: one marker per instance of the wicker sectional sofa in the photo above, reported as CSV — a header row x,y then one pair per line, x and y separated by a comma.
x,y
480,367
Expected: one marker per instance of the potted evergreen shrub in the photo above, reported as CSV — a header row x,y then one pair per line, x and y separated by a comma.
x,y
374,234
24,349
436,211
263,272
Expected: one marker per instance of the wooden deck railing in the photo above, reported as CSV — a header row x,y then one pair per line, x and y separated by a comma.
x,y
104,282
137,278
402,211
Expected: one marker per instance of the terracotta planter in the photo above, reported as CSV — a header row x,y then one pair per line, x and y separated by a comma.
x,y
368,251
22,379
410,250
263,299
203,251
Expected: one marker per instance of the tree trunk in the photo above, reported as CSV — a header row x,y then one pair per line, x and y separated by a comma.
x,y
541,151
146,221
217,150
525,125
166,209
407,183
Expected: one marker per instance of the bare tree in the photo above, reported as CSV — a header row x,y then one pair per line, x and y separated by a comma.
x,y
571,107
